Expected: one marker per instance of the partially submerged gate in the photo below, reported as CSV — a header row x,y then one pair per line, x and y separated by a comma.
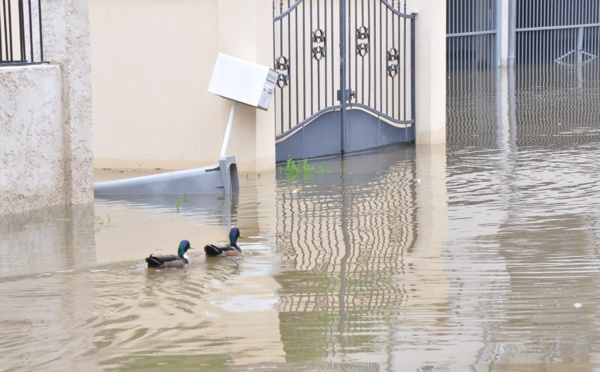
x,y
347,76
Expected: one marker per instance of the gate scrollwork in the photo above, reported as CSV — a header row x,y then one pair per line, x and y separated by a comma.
x,y
393,67
282,66
362,41
319,42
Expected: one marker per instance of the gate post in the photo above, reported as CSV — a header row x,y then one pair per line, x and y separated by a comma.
x,y
430,56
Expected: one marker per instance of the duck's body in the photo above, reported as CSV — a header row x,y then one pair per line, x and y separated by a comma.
x,y
224,250
178,261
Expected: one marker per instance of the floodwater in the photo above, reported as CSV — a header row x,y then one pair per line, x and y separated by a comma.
x,y
479,255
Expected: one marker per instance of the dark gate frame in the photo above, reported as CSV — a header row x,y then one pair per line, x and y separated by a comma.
x,y
347,76
21,39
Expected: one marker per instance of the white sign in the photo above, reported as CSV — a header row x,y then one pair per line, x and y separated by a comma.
x,y
243,81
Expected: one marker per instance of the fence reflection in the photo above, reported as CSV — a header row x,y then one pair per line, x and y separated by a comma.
x,y
349,236
523,106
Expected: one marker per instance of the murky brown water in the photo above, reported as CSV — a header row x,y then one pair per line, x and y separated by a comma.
x,y
479,256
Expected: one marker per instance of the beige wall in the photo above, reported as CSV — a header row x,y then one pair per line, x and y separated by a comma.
x,y
152,62
430,56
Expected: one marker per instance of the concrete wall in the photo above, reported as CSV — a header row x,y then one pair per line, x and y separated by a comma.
x,y
152,63
46,117
31,138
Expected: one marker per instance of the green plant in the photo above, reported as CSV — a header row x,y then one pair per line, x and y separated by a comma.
x,y
321,170
292,170
295,168
307,169
99,223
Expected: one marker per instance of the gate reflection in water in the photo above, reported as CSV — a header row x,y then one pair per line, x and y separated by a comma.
x,y
479,256
360,261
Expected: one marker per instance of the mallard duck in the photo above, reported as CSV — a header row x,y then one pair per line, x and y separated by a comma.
x,y
222,250
171,260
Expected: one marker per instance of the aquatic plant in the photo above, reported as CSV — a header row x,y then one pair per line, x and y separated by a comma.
x,y
293,169
99,223
96,222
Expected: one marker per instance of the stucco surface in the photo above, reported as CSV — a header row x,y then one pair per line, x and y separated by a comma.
x,y
67,43
31,138
46,127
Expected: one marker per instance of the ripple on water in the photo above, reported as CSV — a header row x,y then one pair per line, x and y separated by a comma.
x,y
488,261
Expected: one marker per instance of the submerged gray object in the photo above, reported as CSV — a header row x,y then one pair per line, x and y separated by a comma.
x,y
222,177
233,79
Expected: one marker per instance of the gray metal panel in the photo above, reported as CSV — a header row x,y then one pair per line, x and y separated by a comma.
x,y
320,138
222,178
366,131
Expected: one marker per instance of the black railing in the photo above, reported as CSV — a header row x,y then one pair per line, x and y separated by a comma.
x,y
21,39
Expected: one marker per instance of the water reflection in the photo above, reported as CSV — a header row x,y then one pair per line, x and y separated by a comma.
x,y
225,207
479,256
50,239
525,212
524,106
352,241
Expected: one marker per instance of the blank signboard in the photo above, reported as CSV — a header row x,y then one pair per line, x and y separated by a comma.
x,y
243,81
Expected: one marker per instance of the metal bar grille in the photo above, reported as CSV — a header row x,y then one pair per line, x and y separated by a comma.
x,y
556,32
376,74
557,42
381,51
21,32
307,59
472,34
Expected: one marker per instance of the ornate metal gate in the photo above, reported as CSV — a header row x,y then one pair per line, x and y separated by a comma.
x,y
347,76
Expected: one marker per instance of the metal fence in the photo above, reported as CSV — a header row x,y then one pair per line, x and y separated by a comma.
x,y
556,42
21,39
340,55
472,34
557,31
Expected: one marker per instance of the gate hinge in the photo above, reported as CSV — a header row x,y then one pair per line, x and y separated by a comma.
x,y
350,95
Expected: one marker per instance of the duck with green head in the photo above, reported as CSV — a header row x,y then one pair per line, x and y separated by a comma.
x,y
223,250
179,260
